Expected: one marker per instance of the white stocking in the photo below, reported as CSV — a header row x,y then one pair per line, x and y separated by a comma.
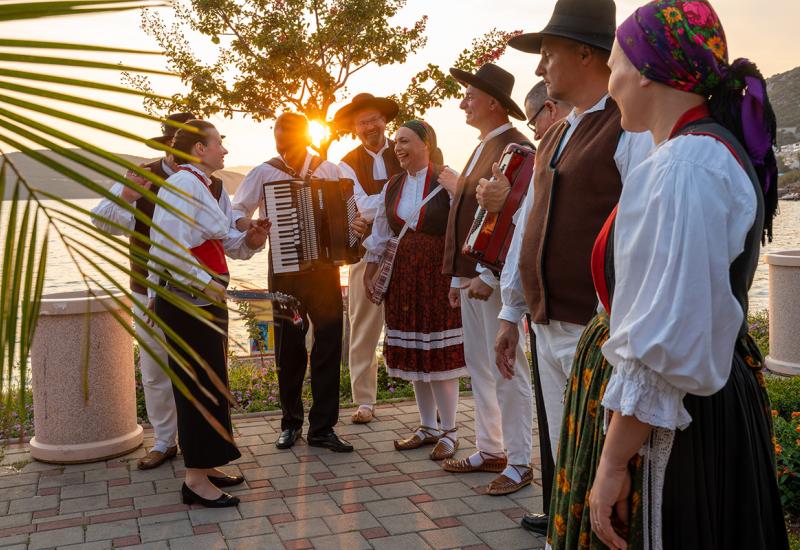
x,y
426,405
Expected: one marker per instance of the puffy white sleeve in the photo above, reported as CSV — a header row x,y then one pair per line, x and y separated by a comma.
x,y
683,218
367,204
250,193
381,232
234,241
107,211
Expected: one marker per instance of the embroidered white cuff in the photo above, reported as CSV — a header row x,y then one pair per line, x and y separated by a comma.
x,y
636,390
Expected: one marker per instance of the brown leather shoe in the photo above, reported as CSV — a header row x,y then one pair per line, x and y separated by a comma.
x,y
154,459
415,441
363,415
504,485
464,466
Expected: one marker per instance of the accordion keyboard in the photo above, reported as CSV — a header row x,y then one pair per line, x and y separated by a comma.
x,y
291,212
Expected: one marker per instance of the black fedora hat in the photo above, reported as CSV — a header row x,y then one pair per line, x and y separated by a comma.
x,y
496,82
344,116
591,22
168,130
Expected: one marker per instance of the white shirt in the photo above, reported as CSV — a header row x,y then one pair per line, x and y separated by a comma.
x,y
109,211
173,235
250,194
407,208
484,273
367,204
632,149
683,218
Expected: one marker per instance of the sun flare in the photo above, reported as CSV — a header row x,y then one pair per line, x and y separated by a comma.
x,y
318,131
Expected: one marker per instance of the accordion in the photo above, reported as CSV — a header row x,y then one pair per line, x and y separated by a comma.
x,y
491,232
311,224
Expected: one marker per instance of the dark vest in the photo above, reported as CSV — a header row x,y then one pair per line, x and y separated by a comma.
x,y
138,247
465,203
433,218
573,197
362,164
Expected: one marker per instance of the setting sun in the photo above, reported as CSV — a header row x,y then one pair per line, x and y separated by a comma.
x,y
318,131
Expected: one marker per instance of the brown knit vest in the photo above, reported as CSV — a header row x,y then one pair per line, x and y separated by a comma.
x,y
573,196
138,247
465,203
362,164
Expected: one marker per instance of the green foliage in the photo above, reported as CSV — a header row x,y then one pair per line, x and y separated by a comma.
x,y
784,394
787,454
758,327
16,414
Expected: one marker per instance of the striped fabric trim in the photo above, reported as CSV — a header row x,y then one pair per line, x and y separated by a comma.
x,y
416,376
424,340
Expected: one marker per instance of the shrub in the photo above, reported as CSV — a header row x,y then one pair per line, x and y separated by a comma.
x,y
787,454
784,394
16,415
759,329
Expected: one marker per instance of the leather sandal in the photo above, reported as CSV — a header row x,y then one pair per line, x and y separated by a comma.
x,y
446,447
154,459
415,441
504,485
491,463
363,415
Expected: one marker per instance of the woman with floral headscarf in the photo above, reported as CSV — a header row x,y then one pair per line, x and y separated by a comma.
x,y
668,438
424,341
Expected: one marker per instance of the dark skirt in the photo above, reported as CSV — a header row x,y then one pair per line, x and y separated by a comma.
x,y
201,444
424,338
719,490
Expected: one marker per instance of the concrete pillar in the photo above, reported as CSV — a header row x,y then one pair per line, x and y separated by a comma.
x,y
79,419
784,312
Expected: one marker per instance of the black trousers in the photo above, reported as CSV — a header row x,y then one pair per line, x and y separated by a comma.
x,y
201,445
320,297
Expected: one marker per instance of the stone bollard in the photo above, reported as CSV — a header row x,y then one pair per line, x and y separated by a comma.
x,y
784,312
77,419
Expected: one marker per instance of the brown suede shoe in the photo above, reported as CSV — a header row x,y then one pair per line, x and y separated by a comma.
x,y
363,415
504,485
464,466
154,459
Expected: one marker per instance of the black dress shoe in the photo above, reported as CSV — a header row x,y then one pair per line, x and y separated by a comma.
x,y
223,501
226,481
288,437
330,441
535,523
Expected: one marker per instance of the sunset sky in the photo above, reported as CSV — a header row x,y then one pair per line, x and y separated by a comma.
x,y
766,32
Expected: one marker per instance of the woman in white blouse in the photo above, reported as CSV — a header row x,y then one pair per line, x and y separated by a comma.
x,y
191,238
424,341
687,460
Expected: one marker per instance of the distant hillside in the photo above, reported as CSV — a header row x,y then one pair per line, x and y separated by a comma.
x,y
784,93
42,177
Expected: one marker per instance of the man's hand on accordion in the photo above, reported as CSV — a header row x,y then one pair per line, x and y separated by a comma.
x,y
491,194
360,226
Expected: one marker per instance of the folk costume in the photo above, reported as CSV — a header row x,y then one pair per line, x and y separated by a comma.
x,y
369,171
320,296
424,339
157,387
200,251
673,265
504,408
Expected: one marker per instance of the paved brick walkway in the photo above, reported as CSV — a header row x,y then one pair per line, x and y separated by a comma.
x,y
375,497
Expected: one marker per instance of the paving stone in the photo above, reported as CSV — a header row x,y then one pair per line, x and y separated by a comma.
x,y
20,491
301,468
407,523
415,466
213,515
351,469
16,542
131,490
483,503
306,528
513,539
401,542
106,474
166,530
276,459
163,518
381,508
158,545
15,479
358,494
246,527
33,504
15,520
454,489
168,485
268,472
351,541
84,504
339,458
98,545
487,521
157,500
445,508
162,472
314,509
49,539
452,537
84,490
72,478
401,489
258,542
111,530
264,508
355,521
294,482
210,541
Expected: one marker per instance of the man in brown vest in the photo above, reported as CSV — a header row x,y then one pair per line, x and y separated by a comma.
x,y
370,165
580,165
158,396
503,407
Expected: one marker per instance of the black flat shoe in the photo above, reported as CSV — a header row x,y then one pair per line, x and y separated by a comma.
x,y
226,481
288,437
223,501
535,523
330,441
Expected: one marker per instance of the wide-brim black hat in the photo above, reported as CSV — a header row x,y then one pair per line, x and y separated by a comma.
x,y
168,130
344,116
496,82
591,22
